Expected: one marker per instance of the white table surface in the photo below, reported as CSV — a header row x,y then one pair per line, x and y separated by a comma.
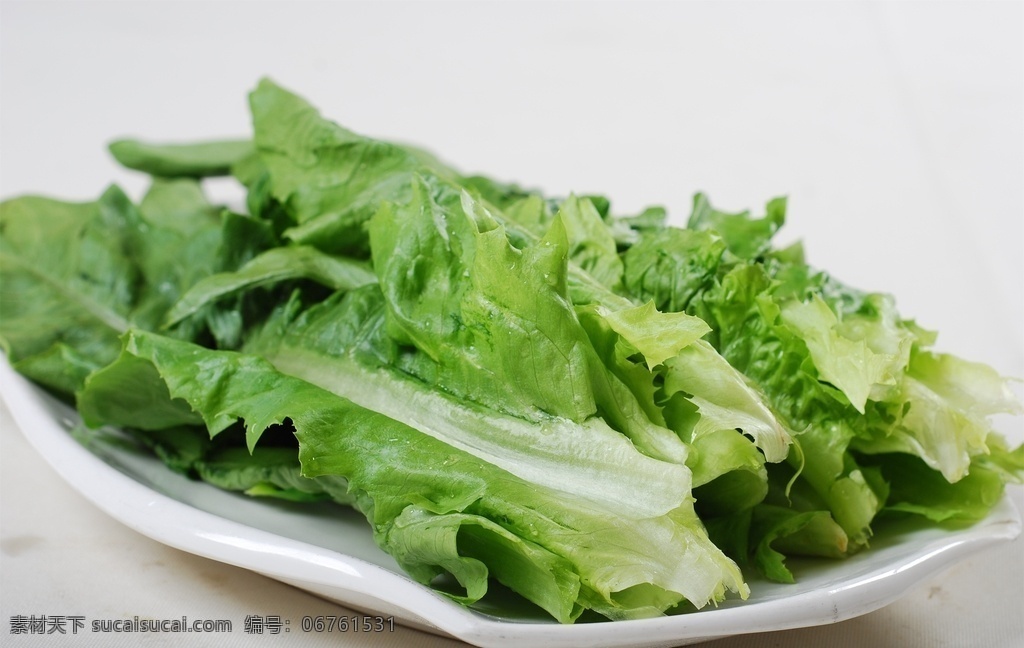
x,y
895,128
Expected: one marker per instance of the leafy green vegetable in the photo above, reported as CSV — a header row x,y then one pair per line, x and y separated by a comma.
x,y
271,267
77,276
181,160
600,412
422,487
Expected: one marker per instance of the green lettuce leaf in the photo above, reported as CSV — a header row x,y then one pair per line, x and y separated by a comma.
x,y
78,275
463,516
196,160
271,267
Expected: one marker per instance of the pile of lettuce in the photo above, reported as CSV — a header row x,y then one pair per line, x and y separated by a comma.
x,y
600,412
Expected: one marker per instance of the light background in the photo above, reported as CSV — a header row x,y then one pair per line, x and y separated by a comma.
x,y
895,128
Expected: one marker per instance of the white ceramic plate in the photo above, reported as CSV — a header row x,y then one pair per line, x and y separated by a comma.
x,y
328,550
